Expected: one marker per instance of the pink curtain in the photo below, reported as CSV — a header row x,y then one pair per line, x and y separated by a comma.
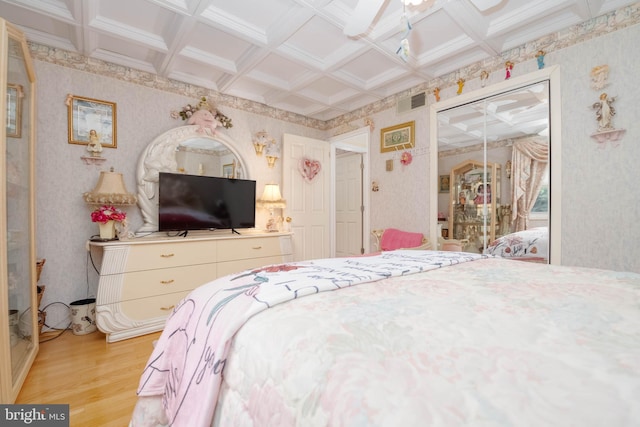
x,y
529,161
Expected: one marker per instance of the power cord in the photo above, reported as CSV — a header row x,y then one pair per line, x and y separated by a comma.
x,y
61,330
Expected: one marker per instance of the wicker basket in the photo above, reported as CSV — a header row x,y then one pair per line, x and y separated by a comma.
x,y
39,266
41,318
40,294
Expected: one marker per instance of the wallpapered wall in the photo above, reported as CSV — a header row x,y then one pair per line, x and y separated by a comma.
x,y
62,217
600,198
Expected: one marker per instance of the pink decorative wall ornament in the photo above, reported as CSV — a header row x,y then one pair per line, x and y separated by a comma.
x,y
205,120
406,158
309,168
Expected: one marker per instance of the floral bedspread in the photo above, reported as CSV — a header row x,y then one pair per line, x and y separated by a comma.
x,y
486,343
186,366
533,243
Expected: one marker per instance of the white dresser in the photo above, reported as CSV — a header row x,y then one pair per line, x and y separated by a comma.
x,y
142,279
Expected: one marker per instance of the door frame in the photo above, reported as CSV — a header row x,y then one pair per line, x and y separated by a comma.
x,y
356,141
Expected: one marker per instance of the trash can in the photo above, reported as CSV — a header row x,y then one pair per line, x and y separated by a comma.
x,y
83,316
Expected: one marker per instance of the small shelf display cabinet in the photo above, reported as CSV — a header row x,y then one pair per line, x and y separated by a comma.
x,y
473,203
18,322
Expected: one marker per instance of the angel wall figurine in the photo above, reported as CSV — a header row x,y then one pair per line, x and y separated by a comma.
x,y
484,75
93,146
604,111
508,66
599,77
460,83
540,59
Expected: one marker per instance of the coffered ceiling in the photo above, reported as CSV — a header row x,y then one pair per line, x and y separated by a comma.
x,y
293,54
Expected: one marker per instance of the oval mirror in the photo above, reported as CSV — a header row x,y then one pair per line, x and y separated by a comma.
x,y
183,150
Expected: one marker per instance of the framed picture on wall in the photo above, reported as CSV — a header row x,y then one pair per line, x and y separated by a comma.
x,y
399,137
14,110
443,183
86,115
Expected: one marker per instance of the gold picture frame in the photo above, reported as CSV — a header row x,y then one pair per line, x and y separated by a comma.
x,y
15,93
86,114
444,183
399,137
229,170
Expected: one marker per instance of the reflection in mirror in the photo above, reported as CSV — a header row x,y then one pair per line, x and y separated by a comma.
x,y
493,149
207,156
188,151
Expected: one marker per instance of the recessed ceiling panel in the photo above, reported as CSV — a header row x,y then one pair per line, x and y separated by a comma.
x,y
368,66
294,53
216,43
279,71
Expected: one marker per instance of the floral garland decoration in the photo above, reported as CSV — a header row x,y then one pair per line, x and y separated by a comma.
x,y
188,110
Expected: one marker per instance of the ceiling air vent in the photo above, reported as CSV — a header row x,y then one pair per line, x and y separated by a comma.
x,y
412,102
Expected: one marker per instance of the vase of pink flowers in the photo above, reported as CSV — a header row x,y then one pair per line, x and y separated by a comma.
x,y
106,217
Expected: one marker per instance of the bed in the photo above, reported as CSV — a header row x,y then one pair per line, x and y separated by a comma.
x,y
404,338
527,245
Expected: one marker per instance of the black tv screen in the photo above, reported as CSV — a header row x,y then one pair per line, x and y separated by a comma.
x,y
194,202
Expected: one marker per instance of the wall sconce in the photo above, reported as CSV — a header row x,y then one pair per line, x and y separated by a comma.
x,y
272,152
110,190
507,169
260,140
272,199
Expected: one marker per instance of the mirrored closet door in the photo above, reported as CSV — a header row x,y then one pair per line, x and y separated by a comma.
x,y
492,170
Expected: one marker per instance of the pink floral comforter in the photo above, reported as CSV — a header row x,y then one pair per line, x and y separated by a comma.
x,y
489,342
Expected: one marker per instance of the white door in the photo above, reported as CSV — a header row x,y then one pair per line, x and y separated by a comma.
x,y
349,205
356,143
308,200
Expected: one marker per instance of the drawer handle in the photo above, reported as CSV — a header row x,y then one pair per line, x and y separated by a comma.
x,y
257,247
167,308
166,255
167,282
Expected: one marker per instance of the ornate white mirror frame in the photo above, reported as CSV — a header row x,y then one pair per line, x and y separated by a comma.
x,y
162,156
551,74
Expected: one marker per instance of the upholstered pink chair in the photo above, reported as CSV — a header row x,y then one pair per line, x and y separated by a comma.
x,y
391,239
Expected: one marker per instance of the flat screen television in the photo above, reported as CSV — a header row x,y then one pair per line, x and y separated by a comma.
x,y
194,202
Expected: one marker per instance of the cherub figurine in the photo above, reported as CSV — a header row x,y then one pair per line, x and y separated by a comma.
x,y
205,120
599,76
484,75
604,111
508,66
436,93
460,85
540,58
94,146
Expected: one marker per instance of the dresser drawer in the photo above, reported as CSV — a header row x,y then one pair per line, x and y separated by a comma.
x,y
142,284
231,267
153,307
165,255
237,249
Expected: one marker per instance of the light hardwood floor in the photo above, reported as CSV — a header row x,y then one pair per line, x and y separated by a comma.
x,y
97,379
